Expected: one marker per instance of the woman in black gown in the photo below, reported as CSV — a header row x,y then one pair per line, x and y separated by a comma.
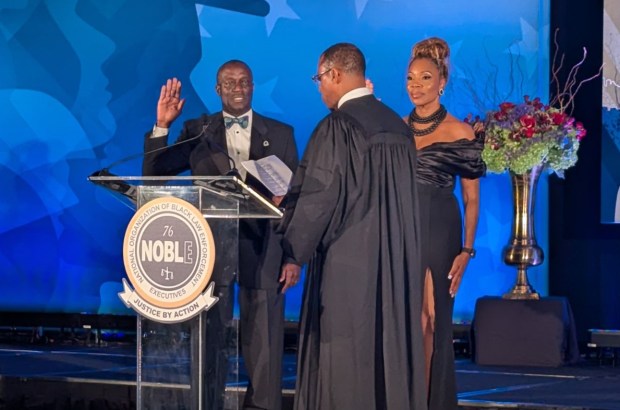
x,y
447,148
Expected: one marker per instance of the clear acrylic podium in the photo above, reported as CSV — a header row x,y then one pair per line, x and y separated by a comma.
x,y
194,364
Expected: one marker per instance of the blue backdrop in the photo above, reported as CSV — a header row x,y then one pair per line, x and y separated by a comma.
x,y
610,138
79,82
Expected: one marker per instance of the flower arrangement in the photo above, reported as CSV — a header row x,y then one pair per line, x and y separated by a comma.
x,y
521,136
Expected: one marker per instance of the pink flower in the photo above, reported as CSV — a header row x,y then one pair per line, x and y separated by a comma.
x,y
581,132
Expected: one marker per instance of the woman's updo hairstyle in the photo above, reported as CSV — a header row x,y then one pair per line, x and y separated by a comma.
x,y
436,50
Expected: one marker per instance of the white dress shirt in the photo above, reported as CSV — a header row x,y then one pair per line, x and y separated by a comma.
x,y
238,142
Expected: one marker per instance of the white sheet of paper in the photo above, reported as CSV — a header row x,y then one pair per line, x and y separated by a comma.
x,y
271,172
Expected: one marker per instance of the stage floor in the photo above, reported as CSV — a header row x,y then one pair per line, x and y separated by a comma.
x,y
65,376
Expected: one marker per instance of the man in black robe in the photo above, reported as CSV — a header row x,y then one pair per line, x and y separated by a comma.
x,y
352,215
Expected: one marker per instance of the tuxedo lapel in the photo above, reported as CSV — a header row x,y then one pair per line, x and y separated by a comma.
x,y
260,142
219,148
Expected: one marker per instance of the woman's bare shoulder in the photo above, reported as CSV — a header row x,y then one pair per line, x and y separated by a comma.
x,y
458,129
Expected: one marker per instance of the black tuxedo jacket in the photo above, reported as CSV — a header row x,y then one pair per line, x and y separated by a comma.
x,y
260,251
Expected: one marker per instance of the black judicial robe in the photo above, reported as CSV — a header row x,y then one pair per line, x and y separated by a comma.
x,y
352,214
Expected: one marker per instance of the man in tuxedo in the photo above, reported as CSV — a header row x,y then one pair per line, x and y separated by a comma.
x,y
213,142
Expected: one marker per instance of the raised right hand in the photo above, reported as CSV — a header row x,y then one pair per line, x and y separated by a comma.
x,y
170,103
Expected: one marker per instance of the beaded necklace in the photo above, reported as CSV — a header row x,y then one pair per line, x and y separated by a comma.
x,y
434,119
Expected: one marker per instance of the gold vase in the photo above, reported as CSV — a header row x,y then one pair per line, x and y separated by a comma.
x,y
522,250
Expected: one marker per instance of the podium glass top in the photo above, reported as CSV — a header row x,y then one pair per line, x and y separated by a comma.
x,y
215,197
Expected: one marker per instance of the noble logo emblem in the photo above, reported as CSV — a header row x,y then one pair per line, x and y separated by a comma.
x,y
169,255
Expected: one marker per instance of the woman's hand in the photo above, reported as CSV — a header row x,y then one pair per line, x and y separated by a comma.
x,y
371,87
456,273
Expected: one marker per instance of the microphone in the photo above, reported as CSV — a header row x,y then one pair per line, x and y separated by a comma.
x,y
106,170
129,190
234,172
121,187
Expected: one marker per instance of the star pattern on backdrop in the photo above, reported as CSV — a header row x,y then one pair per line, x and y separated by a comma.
x,y
264,93
278,9
203,31
455,48
527,48
360,7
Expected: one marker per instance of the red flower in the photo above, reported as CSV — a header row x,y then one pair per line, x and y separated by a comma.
x,y
527,121
537,104
528,132
543,119
558,118
506,106
500,116
517,133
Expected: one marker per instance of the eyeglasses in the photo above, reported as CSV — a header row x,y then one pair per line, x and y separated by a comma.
x,y
230,85
317,77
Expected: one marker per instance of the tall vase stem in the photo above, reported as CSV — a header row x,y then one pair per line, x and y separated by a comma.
x,y
522,250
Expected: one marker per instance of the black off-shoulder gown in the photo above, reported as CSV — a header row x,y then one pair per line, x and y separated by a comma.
x,y
441,235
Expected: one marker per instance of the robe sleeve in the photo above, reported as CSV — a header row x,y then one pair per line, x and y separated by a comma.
x,y
314,191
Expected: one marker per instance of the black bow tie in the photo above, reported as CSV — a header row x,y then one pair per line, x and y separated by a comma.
x,y
242,121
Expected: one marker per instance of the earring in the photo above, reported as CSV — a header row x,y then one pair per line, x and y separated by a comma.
x,y
441,91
